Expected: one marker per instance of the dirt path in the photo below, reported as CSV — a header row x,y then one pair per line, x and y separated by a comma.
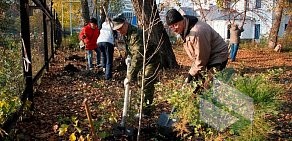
x,y
62,91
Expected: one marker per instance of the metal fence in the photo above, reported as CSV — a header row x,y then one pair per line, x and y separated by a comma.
x,y
34,35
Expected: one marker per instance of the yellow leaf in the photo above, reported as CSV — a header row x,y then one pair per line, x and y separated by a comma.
x,y
72,137
63,129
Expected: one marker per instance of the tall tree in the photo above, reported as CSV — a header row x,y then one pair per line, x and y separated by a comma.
x,y
103,10
155,29
85,10
62,7
273,37
199,4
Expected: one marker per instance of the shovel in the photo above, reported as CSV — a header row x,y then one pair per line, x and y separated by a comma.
x,y
122,129
165,120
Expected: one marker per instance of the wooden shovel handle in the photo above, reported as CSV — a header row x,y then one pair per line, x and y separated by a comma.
x,y
88,114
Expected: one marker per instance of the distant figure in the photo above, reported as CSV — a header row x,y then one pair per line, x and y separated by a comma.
x,y
89,35
235,34
105,43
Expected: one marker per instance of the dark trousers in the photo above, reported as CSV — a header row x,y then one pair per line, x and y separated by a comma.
x,y
206,81
233,52
151,71
218,66
107,51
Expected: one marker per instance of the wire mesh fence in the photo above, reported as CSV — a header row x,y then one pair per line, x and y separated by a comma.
x,y
29,34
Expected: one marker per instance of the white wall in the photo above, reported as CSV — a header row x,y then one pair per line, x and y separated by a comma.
x,y
263,17
221,27
285,20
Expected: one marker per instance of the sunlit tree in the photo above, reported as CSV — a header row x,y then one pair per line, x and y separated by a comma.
x,y
62,7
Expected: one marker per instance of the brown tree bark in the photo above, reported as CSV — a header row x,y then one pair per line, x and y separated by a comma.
x,y
85,11
158,33
244,13
273,37
103,6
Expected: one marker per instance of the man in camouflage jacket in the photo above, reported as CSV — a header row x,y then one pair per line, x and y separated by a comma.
x,y
133,38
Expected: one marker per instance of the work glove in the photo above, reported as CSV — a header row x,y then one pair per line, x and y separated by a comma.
x,y
189,78
128,60
126,81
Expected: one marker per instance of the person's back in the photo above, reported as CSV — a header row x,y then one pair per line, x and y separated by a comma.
x,y
106,33
203,44
106,45
235,33
211,45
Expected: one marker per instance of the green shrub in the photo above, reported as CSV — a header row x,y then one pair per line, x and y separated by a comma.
x,y
11,78
72,42
258,87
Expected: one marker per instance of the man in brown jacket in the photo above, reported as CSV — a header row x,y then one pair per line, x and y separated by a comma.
x,y
235,33
204,46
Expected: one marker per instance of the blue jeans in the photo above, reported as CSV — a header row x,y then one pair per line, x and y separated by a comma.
x,y
107,51
234,48
90,56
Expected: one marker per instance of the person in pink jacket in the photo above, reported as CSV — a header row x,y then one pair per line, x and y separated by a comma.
x,y
89,35
204,46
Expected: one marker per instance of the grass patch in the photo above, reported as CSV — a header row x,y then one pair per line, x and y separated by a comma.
x,y
260,88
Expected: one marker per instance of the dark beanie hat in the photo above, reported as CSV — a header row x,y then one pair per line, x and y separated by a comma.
x,y
93,20
173,16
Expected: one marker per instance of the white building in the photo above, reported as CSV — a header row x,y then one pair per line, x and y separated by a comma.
x,y
257,24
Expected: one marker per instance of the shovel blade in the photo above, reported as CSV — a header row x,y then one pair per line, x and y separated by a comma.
x,y
165,121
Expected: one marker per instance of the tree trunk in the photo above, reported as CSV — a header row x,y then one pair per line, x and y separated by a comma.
x,y
158,34
273,37
104,6
85,11
199,4
244,14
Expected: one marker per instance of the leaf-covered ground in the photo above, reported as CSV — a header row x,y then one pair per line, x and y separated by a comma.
x,y
61,91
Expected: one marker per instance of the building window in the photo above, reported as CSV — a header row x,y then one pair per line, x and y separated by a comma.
x,y
228,31
258,4
257,31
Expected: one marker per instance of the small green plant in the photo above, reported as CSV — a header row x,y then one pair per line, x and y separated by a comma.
x,y
73,41
72,126
258,87
187,109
